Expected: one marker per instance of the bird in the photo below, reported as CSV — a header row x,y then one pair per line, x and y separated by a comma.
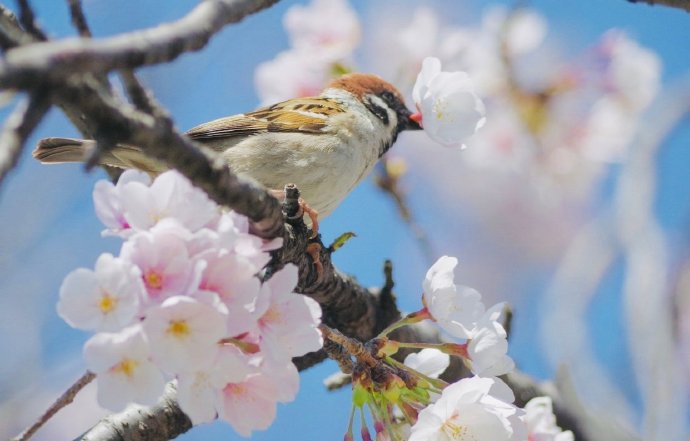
x,y
324,144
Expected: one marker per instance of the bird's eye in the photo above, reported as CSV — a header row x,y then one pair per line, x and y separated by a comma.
x,y
388,97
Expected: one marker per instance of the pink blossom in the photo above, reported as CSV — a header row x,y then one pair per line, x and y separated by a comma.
x,y
198,391
161,255
124,371
184,333
288,322
233,278
170,195
249,405
107,200
106,299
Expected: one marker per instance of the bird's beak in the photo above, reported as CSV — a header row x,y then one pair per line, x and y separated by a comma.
x,y
414,121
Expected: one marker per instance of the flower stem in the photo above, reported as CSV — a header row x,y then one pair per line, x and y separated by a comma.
x,y
409,319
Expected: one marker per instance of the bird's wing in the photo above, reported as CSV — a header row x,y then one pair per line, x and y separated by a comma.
x,y
306,115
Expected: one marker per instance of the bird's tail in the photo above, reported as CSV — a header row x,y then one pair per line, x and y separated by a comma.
x,y
60,150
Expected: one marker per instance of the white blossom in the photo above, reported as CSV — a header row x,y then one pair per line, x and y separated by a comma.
x,y
106,299
471,409
451,110
123,368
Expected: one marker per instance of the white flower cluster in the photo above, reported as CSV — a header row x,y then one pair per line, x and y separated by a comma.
x,y
183,301
323,36
479,407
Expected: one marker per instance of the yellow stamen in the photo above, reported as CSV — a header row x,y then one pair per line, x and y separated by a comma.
x,y
457,432
153,280
126,367
179,328
107,303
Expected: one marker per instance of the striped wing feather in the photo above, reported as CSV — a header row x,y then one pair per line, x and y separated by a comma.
x,y
306,115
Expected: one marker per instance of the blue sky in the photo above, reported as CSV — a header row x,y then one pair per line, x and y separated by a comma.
x,y
50,227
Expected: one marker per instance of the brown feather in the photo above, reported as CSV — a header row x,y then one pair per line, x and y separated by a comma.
x,y
306,115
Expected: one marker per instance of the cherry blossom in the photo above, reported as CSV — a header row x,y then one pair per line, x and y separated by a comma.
x,y
472,408
288,323
430,362
456,309
451,111
232,278
106,299
488,349
249,405
541,422
184,333
198,391
161,255
107,200
170,195
124,371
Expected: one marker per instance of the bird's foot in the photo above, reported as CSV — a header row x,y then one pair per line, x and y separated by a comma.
x,y
314,251
313,216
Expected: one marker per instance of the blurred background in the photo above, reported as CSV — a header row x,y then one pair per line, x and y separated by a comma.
x,y
572,203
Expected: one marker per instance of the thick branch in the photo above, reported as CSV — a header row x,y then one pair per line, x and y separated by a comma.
x,y
56,60
680,4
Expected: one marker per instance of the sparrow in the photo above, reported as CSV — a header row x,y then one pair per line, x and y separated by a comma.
x,y
325,144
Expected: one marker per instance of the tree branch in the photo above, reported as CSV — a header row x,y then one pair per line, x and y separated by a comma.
x,y
56,60
17,129
680,4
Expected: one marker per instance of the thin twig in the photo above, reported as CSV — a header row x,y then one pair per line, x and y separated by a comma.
x,y
679,4
78,18
352,346
18,127
141,97
66,398
28,19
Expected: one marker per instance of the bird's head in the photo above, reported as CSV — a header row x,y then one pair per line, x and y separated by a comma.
x,y
381,98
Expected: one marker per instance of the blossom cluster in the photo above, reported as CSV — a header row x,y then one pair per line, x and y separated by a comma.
x,y
183,301
408,401
479,407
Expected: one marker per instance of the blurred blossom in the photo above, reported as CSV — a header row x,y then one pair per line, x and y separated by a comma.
x,y
633,73
328,27
293,73
323,36
523,30
541,422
